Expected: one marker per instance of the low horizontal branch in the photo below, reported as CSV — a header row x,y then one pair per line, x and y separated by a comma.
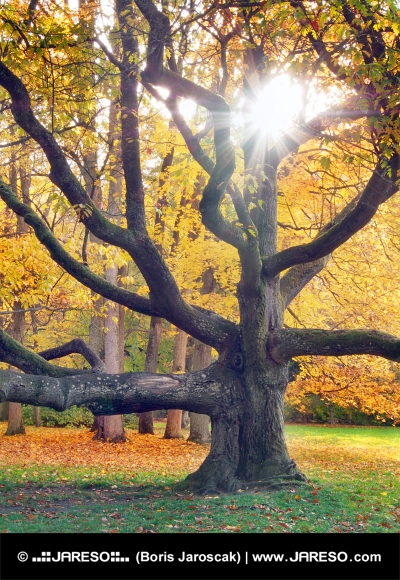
x,y
106,394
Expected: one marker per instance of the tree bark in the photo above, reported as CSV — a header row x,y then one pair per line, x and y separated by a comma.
x,y
4,411
15,422
37,417
200,424
111,428
146,426
173,428
185,420
96,342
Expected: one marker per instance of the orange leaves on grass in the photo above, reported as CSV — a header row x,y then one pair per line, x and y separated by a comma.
x,y
76,448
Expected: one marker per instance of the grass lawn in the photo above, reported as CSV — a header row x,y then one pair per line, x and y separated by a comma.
x,y
59,480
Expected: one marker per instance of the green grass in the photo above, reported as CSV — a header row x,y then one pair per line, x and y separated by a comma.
x,y
355,488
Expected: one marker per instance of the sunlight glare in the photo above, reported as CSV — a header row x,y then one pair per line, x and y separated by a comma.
x,y
276,108
188,108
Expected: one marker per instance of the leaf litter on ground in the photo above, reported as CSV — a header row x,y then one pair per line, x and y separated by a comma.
x,y
62,480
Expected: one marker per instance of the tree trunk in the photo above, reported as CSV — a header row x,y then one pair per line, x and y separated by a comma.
x,y
185,420
4,411
37,417
110,428
15,422
199,429
331,414
200,424
96,342
96,327
146,425
146,419
173,428
248,447
107,428
17,331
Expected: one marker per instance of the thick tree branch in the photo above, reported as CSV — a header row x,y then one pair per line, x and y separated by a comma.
x,y
287,343
130,144
78,270
13,353
294,280
75,346
155,73
233,235
106,394
61,174
351,220
206,326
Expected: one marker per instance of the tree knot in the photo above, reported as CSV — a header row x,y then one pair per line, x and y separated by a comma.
x,y
238,361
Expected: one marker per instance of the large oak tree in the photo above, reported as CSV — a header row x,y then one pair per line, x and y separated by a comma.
x,y
206,52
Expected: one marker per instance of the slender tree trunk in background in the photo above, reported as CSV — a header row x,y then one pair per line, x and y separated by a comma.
x,y
17,331
199,424
96,328
185,420
110,427
107,428
188,365
173,428
96,342
150,366
201,359
121,324
146,426
3,406
37,417
331,414
4,411
15,422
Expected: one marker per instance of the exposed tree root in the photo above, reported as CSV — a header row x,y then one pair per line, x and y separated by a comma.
x,y
216,483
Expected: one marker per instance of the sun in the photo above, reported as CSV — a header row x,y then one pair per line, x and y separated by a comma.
x,y
275,109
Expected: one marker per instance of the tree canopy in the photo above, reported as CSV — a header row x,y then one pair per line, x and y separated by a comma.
x,y
268,132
